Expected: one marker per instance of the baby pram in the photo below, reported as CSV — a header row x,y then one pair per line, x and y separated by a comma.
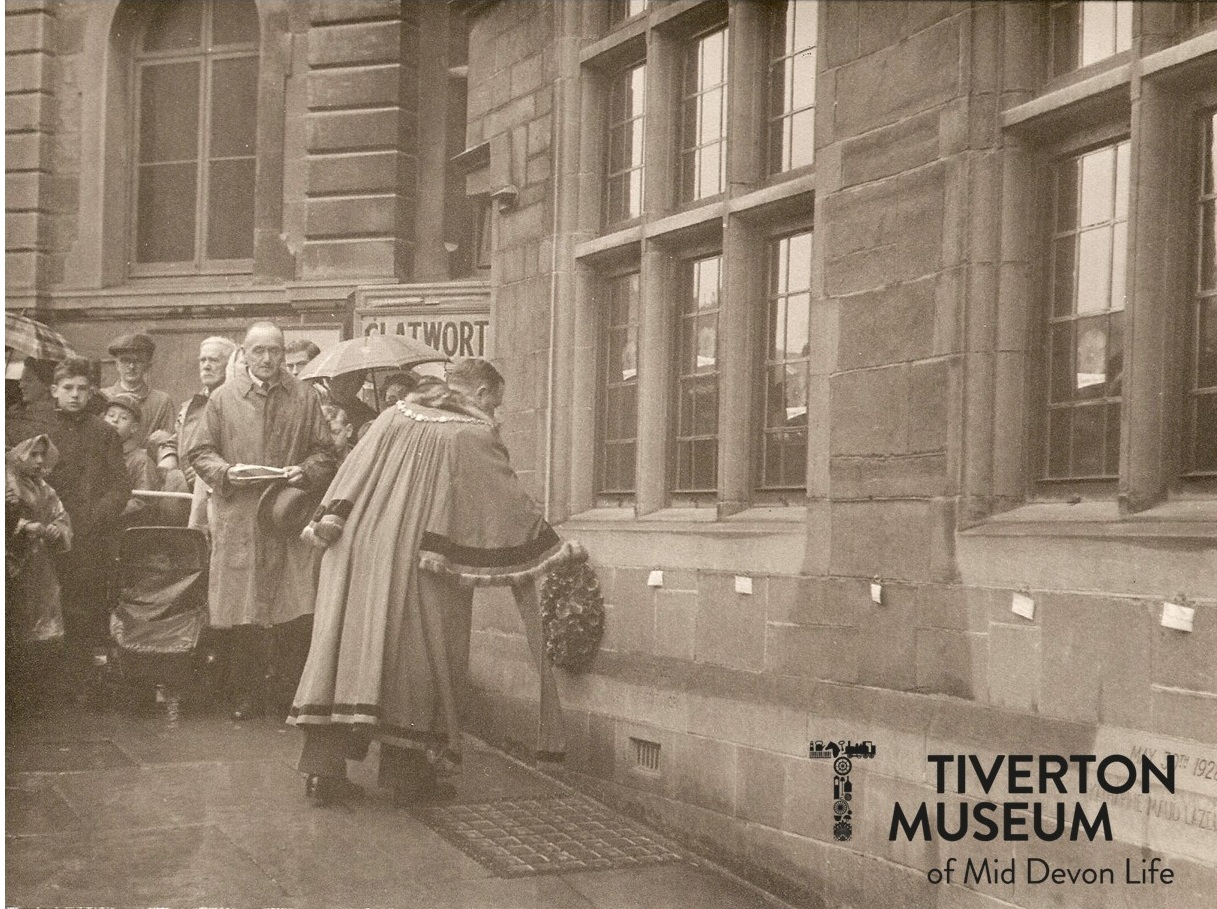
x,y
159,611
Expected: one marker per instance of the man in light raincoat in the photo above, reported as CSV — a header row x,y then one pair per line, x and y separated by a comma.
x,y
261,584
424,509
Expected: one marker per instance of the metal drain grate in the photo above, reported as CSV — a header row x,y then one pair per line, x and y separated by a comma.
x,y
646,755
517,837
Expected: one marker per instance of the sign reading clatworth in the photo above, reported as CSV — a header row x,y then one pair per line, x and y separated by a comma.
x,y
453,318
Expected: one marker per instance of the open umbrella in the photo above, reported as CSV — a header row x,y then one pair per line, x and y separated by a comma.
x,y
373,351
33,339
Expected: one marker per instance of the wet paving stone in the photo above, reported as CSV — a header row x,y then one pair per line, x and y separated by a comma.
x,y
515,837
66,756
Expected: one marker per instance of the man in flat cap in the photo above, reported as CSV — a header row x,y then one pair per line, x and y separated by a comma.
x,y
133,356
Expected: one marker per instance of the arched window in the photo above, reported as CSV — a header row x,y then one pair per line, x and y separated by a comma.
x,y
195,92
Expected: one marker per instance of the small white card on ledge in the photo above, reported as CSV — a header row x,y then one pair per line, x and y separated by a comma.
x,y
1021,604
743,584
1177,617
655,579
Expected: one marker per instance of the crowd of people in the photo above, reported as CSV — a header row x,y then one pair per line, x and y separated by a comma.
x,y
345,540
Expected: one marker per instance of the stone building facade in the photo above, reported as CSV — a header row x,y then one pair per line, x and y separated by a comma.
x,y
837,332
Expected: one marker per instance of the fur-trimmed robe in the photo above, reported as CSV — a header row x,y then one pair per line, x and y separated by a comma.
x,y
424,508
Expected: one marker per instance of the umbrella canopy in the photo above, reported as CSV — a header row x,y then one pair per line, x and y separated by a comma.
x,y
33,339
373,351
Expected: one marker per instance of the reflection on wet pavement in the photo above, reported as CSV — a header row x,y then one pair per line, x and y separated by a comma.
x,y
171,808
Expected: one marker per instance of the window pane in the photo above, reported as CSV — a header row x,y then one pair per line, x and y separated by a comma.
x,y
1098,196
1094,270
792,85
1091,358
1206,349
234,107
1085,341
234,22
1203,409
165,213
1208,245
624,164
1098,31
175,26
1112,466
1063,286
169,112
617,393
703,109
230,210
1061,363
1058,442
697,379
787,341
1089,441
1205,447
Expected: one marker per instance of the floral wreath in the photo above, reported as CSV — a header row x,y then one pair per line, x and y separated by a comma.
x,y
572,615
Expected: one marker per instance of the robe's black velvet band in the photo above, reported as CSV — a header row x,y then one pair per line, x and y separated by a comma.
x,y
506,557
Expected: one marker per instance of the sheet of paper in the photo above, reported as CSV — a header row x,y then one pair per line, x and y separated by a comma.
x,y
876,593
743,584
1021,604
1177,617
655,578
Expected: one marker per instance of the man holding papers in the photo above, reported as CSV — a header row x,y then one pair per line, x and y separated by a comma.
x,y
262,582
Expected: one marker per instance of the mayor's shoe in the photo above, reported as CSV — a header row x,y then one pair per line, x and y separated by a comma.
x,y
328,790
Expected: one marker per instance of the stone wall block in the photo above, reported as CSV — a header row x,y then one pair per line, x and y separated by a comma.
x,y
827,652
951,662
890,540
917,74
798,600
808,799
730,626
675,623
26,31
21,230
25,151
364,216
880,25
903,476
376,85
1015,670
891,150
355,173
345,259
860,428
839,44
704,772
346,130
23,191
886,326
1185,659
885,647
324,11
30,112
1184,714
760,786
930,387
360,42
25,72
884,233
1096,658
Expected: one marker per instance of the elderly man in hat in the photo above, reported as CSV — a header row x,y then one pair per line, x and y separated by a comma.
x,y
262,582
133,356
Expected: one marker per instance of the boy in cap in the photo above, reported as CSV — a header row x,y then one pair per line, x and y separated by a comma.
x,y
92,483
133,356
123,413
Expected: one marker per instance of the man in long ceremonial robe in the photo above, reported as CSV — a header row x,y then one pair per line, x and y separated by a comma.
x,y
424,509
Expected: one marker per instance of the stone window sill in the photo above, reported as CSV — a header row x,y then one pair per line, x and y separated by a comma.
x,y
1179,519
760,520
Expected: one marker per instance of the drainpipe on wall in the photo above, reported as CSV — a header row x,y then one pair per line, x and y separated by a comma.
x,y
567,30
